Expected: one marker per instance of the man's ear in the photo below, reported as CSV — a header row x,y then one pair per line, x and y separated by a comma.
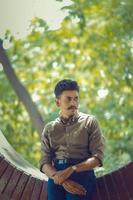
x,y
57,101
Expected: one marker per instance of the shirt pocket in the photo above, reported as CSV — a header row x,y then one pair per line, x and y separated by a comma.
x,y
79,137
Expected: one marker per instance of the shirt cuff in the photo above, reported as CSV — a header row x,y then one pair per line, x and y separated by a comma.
x,y
99,159
43,163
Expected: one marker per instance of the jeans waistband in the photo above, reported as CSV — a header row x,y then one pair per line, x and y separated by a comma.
x,y
69,161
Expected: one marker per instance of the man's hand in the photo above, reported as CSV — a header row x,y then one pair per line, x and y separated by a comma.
x,y
60,176
73,187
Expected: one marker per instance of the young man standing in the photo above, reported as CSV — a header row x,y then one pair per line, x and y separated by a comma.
x,y
72,146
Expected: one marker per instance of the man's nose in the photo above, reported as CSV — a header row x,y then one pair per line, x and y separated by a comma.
x,y
73,102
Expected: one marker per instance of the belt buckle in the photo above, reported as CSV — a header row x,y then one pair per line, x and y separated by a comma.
x,y
62,161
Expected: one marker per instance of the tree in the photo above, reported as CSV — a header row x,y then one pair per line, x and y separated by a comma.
x,y
21,91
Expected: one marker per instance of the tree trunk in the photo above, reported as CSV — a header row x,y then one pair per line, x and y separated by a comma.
x,y
21,91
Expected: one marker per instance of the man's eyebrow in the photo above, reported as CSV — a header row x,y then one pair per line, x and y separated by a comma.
x,y
72,97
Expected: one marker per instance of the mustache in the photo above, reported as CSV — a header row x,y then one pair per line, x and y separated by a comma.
x,y
71,107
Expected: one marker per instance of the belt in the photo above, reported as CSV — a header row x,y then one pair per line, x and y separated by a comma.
x,y
69,161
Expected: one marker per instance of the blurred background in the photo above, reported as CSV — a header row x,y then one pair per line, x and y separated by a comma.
x,y
90,41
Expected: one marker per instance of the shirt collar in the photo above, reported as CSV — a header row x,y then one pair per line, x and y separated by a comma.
x,y
69,120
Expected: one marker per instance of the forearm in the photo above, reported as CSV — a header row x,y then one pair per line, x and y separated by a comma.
x,y
49,170
90,163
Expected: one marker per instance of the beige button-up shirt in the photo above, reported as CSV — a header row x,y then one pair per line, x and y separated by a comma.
x,y
79,137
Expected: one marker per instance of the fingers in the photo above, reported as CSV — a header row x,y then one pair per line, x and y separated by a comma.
x,y
61,176
75,184
58,180
78,188
74,190
81,188
74,187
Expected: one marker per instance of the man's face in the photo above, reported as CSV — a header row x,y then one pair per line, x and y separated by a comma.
x,y
68,102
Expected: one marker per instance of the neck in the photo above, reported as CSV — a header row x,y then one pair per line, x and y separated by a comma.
x,y
65,116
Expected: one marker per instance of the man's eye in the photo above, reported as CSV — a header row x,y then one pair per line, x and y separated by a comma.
x,y
70,99
76,98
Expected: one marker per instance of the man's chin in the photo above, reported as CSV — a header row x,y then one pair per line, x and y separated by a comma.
x,y
72,111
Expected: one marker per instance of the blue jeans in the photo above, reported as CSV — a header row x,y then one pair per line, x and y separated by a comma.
x,y
86,178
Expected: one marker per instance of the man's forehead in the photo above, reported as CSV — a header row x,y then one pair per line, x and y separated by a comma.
x,y
70,93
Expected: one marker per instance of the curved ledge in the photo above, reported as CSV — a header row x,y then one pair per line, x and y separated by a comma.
x,y
15,159
20,180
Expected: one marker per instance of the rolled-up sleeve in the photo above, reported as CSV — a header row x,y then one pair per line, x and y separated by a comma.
x,y
96,141
46,156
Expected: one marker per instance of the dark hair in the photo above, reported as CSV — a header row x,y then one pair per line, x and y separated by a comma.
x,y
66,84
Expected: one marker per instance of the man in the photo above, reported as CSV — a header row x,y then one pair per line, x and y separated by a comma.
x,y
72,145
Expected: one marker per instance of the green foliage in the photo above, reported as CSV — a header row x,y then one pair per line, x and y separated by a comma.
x,y
94,46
